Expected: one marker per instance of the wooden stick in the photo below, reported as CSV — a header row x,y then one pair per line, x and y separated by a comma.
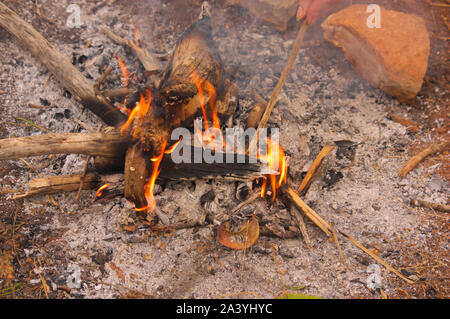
x,y
414,161
249,200
67,75
378,259
338,246
150,63
433,206
308,211
287,69
95,144
301,225
315,166
58,184
102,78
411,126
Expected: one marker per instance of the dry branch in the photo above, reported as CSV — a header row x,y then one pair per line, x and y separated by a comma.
x,y
150,63
414,161
327,149
67,75
433,206
287,70
411,126
301,225
95,144
311,214
378,259
58,184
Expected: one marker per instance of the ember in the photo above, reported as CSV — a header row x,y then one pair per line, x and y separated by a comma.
x,y
101,189
139,111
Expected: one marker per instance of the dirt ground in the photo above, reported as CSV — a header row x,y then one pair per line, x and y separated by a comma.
x,y
45,242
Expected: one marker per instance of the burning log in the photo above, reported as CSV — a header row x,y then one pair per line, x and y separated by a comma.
x,y
189,83
69,77
191,79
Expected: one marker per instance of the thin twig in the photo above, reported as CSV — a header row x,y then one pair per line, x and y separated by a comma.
x,y
437,4
327,149
150,63
414,161
43,281
308,211
39,13
328,229
101,79
249,200
287,69
301,225
433,206
378,259
84,171
82,175
338,246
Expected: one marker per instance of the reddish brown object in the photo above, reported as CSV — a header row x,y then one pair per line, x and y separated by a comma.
x,y
243,239
393,57
414,161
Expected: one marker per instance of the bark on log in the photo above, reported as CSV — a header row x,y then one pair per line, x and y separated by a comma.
x,y
58,184
67,75
71,183
136,173
177,101
95,144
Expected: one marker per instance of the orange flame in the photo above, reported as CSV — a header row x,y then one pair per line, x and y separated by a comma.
x,y
173,147
101,189
206,91
275,156
276,160
151,202
140,110
125,73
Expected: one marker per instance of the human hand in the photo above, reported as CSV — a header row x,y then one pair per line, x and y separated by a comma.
x,y
315,9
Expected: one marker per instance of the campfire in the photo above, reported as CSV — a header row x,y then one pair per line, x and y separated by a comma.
x,y
176,127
